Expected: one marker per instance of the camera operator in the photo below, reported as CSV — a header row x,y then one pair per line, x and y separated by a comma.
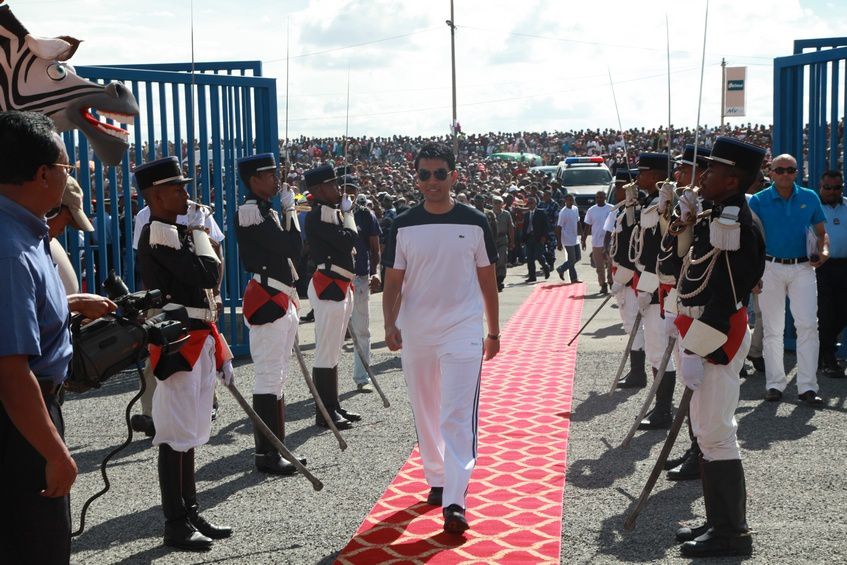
x,y
36,468
182,263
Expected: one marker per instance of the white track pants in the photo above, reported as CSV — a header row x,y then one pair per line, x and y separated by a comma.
x,y
182,403
360,323
628,307
655,337
443,385
799,284
331,319
713,406
270,348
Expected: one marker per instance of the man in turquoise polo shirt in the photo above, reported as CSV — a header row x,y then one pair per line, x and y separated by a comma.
x,y
788,211
832,277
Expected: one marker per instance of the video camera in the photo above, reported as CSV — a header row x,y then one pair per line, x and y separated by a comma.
x,y
110,344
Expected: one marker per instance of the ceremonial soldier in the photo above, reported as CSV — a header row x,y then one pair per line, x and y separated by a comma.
x,y
331,235
181,262
675,243
644,252
724,264
267,244
621,225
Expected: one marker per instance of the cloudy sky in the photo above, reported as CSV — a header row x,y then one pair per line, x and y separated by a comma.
x,y
534,65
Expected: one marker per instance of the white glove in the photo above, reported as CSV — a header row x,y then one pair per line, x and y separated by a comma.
x,y
226,374
670,327
644,299
617,288
286,197
692,367
689,205
666,196
346,203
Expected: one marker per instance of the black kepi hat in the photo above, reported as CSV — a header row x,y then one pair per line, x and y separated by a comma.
x,y
687,157
653,161
319,175
737,153
252,164
159,172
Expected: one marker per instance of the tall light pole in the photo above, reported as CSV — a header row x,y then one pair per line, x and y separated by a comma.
x,y
452,23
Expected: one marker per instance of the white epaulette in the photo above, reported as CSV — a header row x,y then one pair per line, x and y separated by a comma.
x,y
164,234
725,231
249,214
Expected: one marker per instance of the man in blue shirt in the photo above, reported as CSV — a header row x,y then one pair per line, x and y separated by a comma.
x,y
832,275
36,468
796,244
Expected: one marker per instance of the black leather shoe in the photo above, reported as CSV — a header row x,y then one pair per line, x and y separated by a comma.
x,y
144,424
811,398
773,395
531,279
351,416
273,464
676,462
183,535
546,272
712,544
340,421
758,363
435,496
561,273
658,420
688,534
310,317
454,519
688,470
206,528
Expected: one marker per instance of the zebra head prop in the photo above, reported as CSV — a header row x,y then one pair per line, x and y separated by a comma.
x,y
35,77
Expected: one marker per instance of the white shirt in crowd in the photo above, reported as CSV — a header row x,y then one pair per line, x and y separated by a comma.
x,y
194,213
596,217
569,222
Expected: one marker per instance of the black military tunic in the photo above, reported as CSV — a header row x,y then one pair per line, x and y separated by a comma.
x,y
330,245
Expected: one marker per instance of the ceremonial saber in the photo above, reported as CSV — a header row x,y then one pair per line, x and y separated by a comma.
x,y
629,524
271,437
368,369
318,402
589,319
634,331
651,394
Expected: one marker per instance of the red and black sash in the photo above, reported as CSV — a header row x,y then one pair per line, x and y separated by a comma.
x,y
262,305
737,329
330,288
183,360
664,290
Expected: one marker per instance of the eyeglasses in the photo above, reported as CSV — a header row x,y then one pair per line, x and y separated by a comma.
x,y
832,186
439,174
52,213
784,170
69,169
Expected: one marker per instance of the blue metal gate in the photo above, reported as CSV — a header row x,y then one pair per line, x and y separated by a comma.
x,y
209,118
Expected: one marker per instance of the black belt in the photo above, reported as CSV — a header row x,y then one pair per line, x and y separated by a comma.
x,y
795,261
49,388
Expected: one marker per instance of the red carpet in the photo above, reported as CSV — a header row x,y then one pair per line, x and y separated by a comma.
x,y
515,496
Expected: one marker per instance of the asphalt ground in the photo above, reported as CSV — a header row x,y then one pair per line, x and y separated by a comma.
x,y
792,458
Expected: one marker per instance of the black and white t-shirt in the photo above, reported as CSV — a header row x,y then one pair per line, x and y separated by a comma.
x,y
440,254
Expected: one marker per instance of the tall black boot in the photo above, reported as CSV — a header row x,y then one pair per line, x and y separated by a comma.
x,y
728,534
280,432
267,458
189,496
661,417
689,469
179,532
326,383
637,377
350,416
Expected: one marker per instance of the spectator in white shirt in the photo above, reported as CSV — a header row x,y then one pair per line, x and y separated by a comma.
x,y
593,222
567,230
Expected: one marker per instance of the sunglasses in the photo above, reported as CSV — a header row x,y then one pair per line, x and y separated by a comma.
x,y
439,174
784,170
52,213
832,186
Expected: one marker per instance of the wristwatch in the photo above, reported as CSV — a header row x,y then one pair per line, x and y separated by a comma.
x,y
493,336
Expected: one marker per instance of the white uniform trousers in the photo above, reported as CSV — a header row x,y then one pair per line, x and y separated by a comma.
x,y
360,326
628,308
655,337
270,348
799,284
182,403
713,405
443,384
331,320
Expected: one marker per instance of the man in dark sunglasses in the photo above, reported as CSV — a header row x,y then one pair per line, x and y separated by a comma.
x,y
796,244
832,275
439,280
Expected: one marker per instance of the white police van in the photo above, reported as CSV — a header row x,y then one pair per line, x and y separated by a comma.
x,y
583,177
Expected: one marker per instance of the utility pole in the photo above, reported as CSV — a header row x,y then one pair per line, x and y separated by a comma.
x,y
452,23
723,90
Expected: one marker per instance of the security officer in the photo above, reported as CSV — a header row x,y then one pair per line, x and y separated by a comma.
x,y
644,252
675,243
182,264
832,275
725,263
621,225
331,235
267,244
